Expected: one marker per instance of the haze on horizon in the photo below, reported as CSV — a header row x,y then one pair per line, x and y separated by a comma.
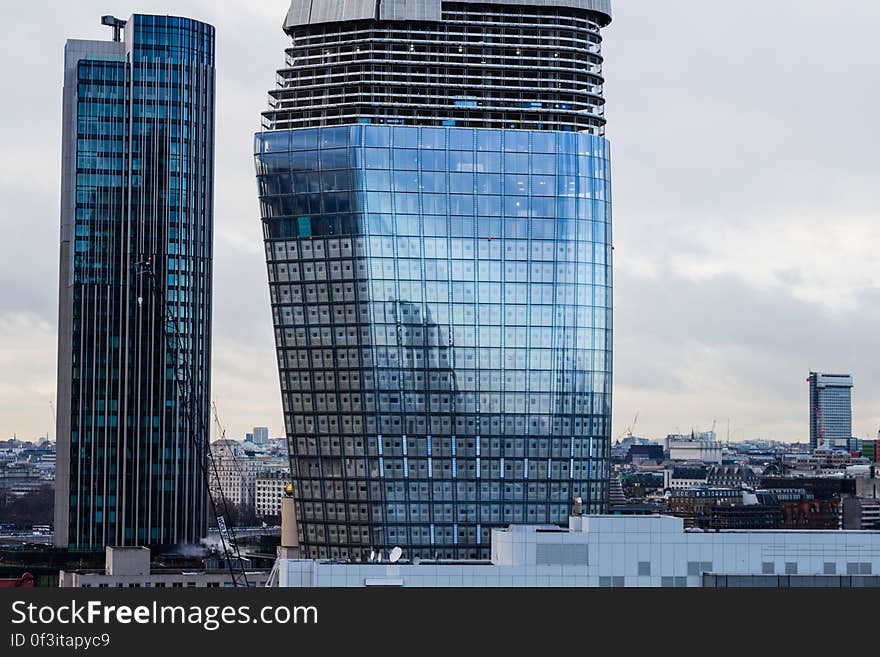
x,y
745,209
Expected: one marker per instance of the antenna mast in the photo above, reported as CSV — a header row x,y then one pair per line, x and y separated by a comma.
x,y
116,23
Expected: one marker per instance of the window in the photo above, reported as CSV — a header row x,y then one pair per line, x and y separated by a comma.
x,y
644,568
830,568
791,568
768,568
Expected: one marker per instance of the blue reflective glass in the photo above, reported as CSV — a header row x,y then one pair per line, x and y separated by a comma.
x,y
516,141
433,160
481,328
376,158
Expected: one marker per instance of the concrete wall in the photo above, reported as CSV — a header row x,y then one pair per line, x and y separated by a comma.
x,y
75,50
127,561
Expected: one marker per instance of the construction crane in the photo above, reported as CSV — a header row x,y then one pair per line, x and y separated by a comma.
x,y
54,419
186,392
629,431
221,433
221,430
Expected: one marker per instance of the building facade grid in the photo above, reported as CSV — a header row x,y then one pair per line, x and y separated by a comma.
x,y
439,264
137,188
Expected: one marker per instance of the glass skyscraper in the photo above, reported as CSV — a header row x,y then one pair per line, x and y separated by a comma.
x,y
830,410
435,196
135,288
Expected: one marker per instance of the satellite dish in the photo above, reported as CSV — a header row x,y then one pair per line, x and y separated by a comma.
x,y
372,556
395,555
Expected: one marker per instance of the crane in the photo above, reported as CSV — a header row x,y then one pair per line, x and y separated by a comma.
x,y
629,432
221,433
54,418
186,393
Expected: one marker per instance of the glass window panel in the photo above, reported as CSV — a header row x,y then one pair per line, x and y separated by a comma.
x,y
516,163
378,180
377,158
406,138
433,160
488,140
488,162
406,158
516,141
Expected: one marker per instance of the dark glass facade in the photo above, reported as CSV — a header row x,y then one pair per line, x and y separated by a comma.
x,y
830,410
137,185
441,298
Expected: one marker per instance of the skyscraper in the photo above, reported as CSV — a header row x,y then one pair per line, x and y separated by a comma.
x,y
830,409
435,196
261,435
135,289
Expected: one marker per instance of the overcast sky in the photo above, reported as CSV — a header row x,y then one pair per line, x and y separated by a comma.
x,y
746,194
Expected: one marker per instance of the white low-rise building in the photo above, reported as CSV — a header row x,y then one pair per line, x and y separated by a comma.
x,y
700,447
621,551
268,492
130,567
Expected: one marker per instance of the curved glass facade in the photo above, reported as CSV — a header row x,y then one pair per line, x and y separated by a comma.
x,y
137,184
442,307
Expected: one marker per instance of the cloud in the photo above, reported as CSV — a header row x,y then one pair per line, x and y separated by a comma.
x,y
27,360
690,351
745,207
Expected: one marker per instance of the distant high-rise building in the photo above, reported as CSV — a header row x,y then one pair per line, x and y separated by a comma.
x,y
435,193
830,409
136,250
261,435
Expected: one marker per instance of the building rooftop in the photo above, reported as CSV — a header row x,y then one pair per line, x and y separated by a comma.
x,y
313,12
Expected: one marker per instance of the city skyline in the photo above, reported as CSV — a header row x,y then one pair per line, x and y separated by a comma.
x,y
727,326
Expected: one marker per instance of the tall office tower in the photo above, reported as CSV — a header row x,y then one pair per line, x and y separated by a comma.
x,y
830,409
435,196
137,211
261,435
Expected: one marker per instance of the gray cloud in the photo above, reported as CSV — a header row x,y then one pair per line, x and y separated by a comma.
x,y
745,190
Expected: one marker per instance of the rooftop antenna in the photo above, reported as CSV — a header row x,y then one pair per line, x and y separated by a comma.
x,y
116,23
395,555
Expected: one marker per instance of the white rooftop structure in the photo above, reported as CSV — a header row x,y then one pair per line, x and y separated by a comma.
x,y
623,551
